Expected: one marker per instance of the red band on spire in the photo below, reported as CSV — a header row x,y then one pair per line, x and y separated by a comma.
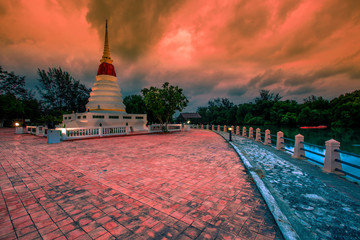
x,y
106,69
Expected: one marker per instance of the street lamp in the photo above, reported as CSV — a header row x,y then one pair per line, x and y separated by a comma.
x,y
230,130
188,122
17,124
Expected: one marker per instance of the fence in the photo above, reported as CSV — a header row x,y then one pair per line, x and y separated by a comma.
x,y
333,157
154,128
37,130
89,132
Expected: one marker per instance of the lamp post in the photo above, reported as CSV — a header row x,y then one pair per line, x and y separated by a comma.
x,y
230,130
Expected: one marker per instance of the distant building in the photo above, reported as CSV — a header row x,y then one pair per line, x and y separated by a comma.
x,y
192,117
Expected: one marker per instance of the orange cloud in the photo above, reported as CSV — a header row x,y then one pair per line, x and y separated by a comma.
x,y
210,48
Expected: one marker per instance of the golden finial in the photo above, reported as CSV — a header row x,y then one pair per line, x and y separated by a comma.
x,y
106,54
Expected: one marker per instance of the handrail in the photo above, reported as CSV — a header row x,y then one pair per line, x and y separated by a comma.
x,y
319,154
347,173
347,163
347,153
314,145
289,139
312,160
287,150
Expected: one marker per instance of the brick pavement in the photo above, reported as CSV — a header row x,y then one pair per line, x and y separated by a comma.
x,y
169,186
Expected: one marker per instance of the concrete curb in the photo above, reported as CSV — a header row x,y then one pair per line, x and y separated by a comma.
x,y
285,226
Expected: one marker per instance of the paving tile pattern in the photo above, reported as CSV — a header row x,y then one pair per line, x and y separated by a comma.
x,y
316,210
168,186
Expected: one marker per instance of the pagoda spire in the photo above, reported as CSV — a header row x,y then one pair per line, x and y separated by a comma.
x,y
106,54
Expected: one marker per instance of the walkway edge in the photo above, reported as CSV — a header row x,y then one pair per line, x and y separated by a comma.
x,y
285,226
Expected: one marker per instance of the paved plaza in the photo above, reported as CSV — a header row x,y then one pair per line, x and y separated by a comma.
x,y
186,185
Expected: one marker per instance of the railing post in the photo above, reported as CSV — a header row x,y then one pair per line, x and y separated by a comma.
x,y
225,130
258,135
251,133
232,129
299,151
197,126
244,132
100,131
207,127
330,155
218,128
212,127
267,140
237,130
280,144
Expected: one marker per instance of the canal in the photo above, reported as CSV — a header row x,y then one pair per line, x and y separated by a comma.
x,y
349,141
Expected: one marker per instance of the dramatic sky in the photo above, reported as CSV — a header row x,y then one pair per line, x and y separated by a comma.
x,y
209,48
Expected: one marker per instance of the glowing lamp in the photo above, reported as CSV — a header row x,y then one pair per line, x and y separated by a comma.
x,y
230,129
188,122
17,124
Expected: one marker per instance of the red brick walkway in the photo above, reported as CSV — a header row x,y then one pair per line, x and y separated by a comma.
x,y
173,186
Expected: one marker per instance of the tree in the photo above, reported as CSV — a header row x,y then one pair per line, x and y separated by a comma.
x,y
135,104
61,92
163,102
265,95
10,108
12,84
264,103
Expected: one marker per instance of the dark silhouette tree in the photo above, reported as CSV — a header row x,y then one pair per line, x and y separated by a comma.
x,y
12,84
61,92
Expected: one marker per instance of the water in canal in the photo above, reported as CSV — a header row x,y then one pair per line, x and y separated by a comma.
x,y
349,141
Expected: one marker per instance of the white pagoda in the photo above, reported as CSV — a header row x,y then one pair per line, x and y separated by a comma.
x,y
105,107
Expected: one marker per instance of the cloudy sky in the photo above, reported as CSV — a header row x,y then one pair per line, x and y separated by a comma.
x,y
209,48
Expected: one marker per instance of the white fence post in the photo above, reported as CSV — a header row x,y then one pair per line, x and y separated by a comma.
x,y
330,155
280,144
267,140
258,135
251,133
244,132
100,131
299,151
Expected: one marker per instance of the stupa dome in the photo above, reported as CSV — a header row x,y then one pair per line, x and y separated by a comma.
x,y
105,94
106,69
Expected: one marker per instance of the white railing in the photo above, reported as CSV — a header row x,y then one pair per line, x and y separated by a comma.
x,y
114,131
37,130
88,132
170,128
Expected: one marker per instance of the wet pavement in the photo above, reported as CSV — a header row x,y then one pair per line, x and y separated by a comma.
x,y
314,204
188,185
